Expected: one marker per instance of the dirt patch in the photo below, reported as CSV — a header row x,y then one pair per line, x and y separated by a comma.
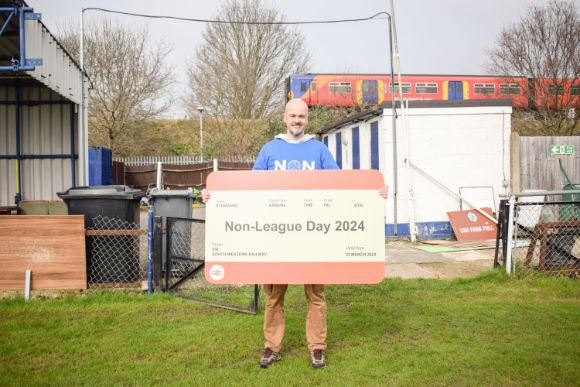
x,y
457,269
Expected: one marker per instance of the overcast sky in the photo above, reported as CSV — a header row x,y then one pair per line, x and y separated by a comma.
x,y
435,37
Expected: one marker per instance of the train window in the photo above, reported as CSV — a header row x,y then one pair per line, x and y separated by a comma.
x,y
512,88
484,88
426,88
303,86
340,87
406,86
555,90
575,90
313,85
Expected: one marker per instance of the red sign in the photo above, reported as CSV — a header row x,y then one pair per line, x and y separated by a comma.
x,y
472,225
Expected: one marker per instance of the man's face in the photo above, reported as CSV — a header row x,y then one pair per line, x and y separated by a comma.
x,y
296,119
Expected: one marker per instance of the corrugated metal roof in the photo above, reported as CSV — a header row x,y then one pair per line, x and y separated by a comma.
x,y
59,71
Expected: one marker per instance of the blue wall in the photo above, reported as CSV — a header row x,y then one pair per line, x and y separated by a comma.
x,y
425,230
355,149
339,149
100,166
375,145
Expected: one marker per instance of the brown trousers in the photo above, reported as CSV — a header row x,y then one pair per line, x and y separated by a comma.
x,y
315,319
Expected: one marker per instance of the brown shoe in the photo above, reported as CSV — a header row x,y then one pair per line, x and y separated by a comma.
x,y
317,358
269,357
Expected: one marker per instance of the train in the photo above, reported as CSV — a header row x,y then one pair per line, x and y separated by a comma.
x,y
373,89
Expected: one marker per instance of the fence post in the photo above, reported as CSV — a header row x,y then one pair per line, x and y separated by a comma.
x,y
159,173
149,250
168,265
157,252
215,165
510,234
499,234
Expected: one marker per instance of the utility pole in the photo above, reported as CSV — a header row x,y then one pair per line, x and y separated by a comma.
x,y
411,193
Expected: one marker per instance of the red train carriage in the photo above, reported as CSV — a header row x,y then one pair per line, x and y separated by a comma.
x,y
371,89
556,93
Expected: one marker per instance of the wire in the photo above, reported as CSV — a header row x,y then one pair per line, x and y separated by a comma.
x,y
373,17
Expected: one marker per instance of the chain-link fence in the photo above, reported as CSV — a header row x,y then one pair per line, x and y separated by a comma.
x,y
116,254
184,269
543,234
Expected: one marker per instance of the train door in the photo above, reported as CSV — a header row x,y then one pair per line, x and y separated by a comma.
x,y
455,90
313,93
370,91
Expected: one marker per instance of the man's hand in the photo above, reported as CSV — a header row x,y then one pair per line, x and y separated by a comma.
x,y
205,195
384,192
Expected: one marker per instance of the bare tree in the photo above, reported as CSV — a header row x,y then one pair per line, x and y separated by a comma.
x,y
240,69
545,46
129,79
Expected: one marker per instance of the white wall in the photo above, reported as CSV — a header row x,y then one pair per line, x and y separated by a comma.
x,y
458,146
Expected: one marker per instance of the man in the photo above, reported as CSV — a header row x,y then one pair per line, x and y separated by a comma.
x,y
298,151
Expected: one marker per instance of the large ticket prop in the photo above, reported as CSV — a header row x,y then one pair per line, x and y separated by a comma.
x,y
295,227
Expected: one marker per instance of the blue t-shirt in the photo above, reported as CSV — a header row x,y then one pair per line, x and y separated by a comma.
x,y
280,154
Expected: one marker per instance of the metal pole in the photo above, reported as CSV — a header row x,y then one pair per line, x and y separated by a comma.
x,y
159,174
18,197
83,140
201,135
72,144
411,194
394,128
200,109
22,41
510,234
158,253
150,250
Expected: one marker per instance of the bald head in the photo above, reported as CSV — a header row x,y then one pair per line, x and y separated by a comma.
x,y
296,103
295,118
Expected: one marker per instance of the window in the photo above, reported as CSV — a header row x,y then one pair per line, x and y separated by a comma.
x,y
340,87
426,88
512,88
484,88
313,86
406,86
555,90
575,90
303,87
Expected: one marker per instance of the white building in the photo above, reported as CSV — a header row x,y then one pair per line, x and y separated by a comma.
x,y
454,147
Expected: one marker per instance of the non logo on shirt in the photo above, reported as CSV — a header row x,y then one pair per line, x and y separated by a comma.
x,y
293,165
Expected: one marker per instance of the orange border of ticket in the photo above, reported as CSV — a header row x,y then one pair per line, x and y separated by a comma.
x,y
294,180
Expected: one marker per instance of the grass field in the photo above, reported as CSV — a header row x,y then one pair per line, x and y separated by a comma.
x,y
488,330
